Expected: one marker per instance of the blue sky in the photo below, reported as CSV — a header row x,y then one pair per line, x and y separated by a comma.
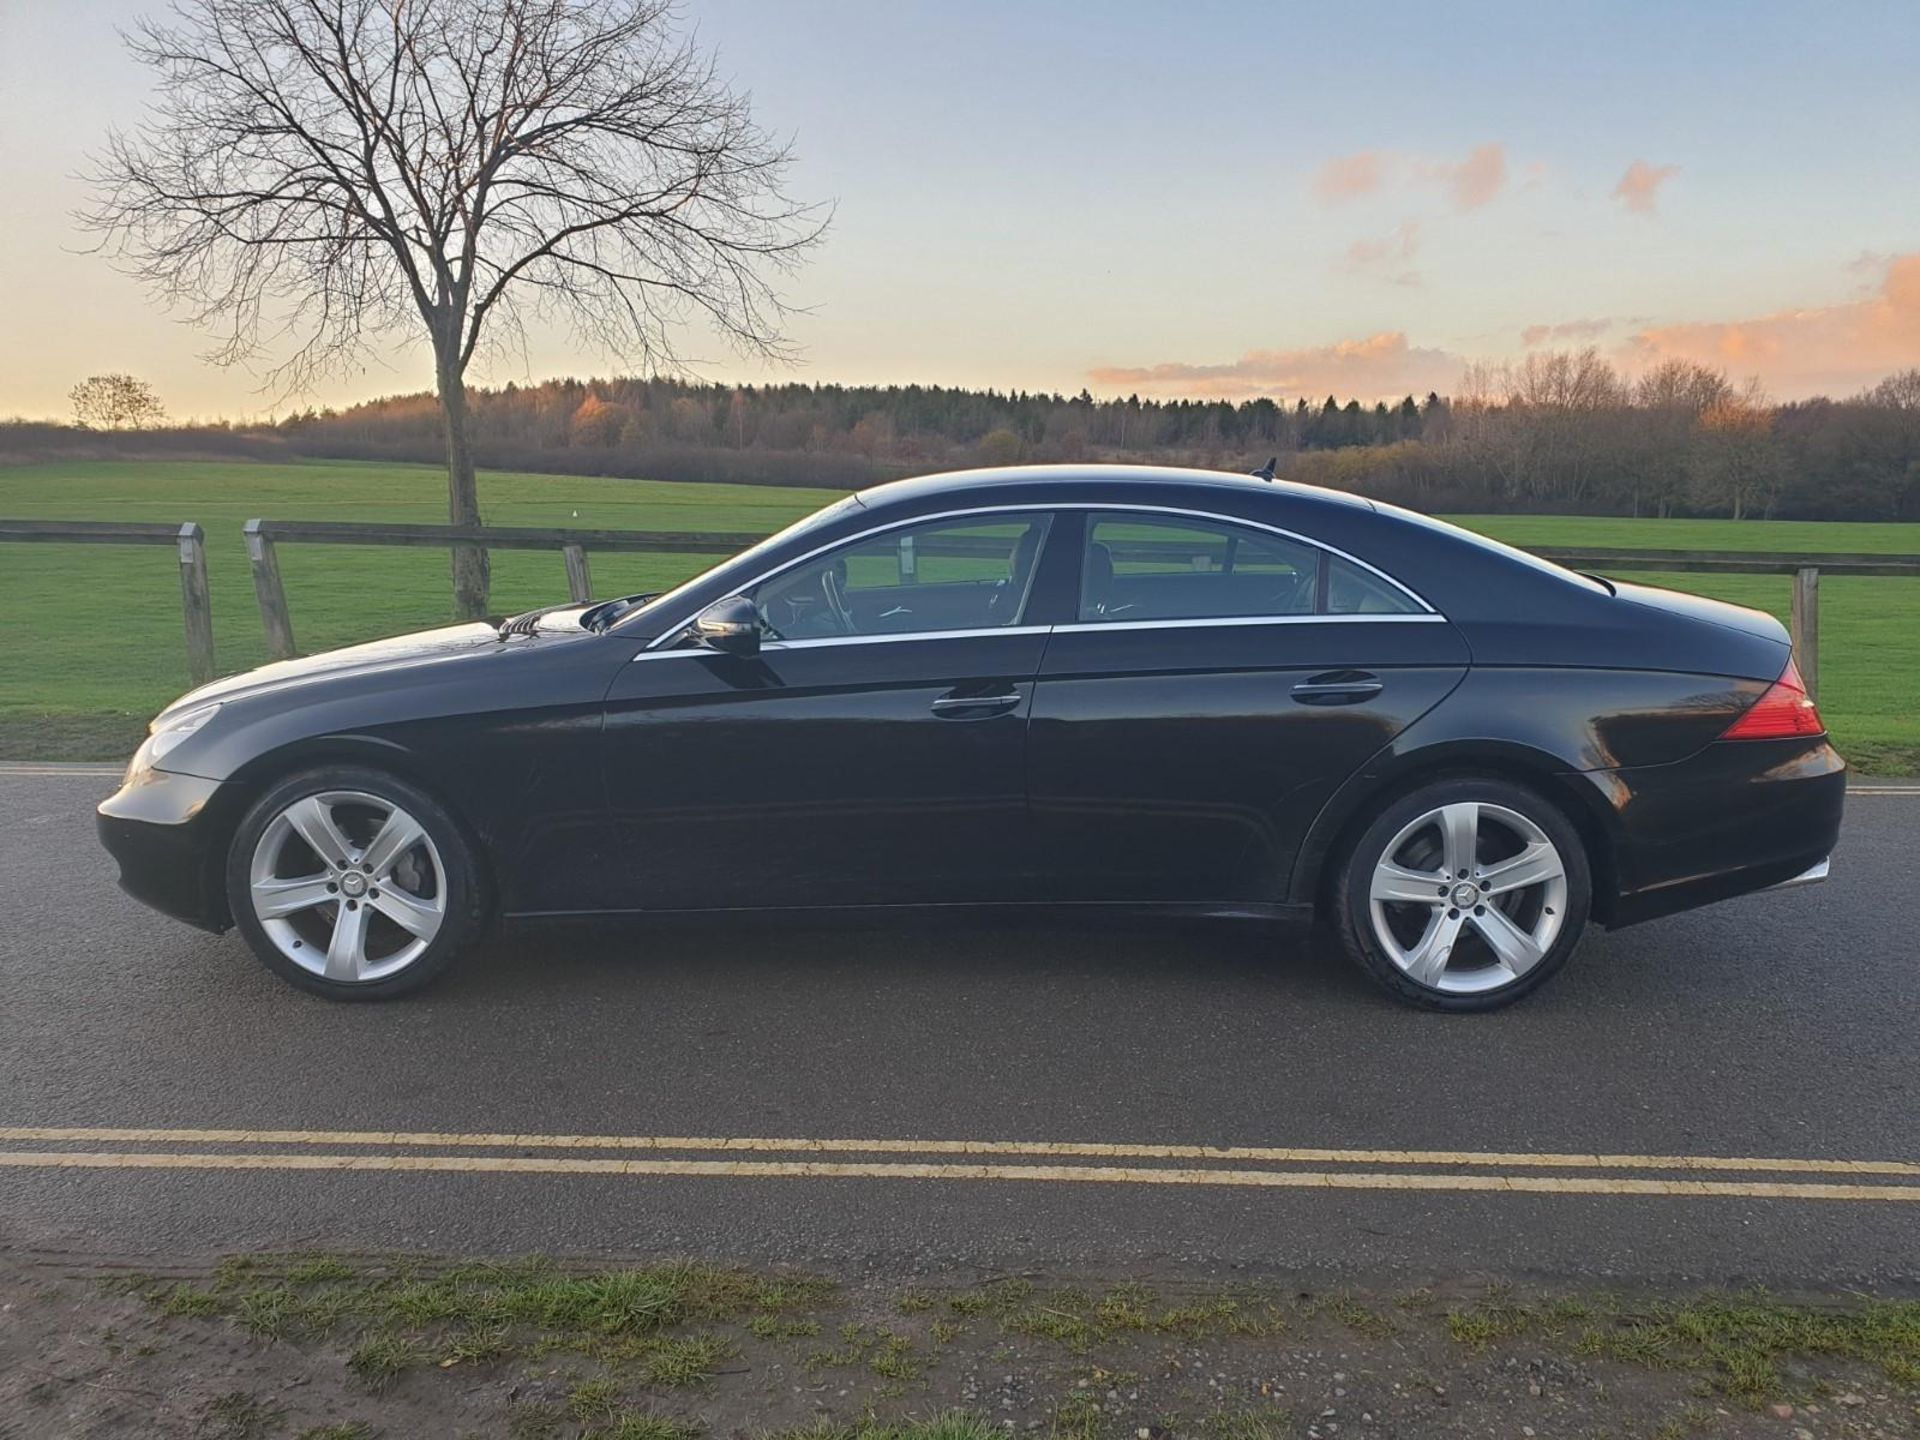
x,y
1131,195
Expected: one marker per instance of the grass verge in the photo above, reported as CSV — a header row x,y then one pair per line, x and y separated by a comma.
x,y
1739,1345
540,1351
403,1317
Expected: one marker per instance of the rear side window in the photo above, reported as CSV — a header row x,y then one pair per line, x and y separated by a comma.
x,y
1353,591
1142,567
1146,567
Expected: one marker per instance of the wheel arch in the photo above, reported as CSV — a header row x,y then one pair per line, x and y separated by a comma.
x,y
368,752
1345,816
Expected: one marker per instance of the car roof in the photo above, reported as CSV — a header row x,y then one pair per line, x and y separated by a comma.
x,y
1060,481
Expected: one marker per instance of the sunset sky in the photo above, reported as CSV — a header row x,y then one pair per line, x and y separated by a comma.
x,y
1220,197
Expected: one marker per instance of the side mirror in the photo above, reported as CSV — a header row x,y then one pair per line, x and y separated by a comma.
x,y
731,626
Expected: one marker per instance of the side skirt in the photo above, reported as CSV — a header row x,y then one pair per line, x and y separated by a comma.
x,y
1091,910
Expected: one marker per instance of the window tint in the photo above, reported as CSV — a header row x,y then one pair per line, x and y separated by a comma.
x,y
1141,567
971,574
1353,591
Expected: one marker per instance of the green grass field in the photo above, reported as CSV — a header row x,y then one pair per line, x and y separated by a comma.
x,y
93,635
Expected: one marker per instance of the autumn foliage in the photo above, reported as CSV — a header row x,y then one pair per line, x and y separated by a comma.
x,y
1559,433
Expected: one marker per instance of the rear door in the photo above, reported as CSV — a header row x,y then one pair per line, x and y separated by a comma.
x,y
1217,683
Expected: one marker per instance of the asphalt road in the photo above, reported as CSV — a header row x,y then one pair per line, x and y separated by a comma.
x,y
1779,1027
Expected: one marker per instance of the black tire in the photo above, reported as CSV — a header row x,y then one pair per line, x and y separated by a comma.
x,y
1352,909
464,907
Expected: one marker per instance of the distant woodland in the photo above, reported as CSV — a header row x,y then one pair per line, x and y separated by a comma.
x,y
1561,432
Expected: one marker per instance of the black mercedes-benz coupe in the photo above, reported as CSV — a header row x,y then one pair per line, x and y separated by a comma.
x,y
1159,690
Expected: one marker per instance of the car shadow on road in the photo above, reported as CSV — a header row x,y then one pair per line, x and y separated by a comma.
x,y
1287,963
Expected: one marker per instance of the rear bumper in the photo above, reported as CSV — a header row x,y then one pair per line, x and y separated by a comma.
x,y
163,831
1812,875
1735,818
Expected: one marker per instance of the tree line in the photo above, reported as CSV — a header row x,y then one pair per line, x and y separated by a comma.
x,y
1562,432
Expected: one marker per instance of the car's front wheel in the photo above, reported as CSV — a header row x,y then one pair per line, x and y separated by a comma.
x,y
352,883
1464,895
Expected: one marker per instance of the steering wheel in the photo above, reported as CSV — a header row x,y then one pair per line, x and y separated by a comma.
x,y
832,586
808,607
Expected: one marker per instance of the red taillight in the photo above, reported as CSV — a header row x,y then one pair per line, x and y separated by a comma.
x,y
1782,713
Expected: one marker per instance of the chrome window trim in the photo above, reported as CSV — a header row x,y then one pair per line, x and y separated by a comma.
x,y
1078,627
814,642
817,641
654,648
1211,622
678,654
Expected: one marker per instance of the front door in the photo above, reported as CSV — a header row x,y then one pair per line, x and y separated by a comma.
x,y
1218,684
873,752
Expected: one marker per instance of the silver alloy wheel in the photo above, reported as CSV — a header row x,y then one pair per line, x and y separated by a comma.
x,y
1469,897
348,886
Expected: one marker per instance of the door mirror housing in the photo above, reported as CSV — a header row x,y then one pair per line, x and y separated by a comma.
x,y
731,626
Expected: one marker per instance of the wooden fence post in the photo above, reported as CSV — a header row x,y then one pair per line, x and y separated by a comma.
x,y
196,603
1806,627
579,576
269,590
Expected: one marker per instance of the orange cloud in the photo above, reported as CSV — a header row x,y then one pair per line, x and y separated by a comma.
x,y
1831,350
1389,255
1639,188
1564,330
1400,245
1349,176
1478,178
1379,367
1470,183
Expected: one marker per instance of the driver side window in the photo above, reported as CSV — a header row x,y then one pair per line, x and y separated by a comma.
x,y
974,573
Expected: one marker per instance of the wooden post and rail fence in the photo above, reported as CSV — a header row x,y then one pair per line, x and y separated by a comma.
x,y
196,602
264,536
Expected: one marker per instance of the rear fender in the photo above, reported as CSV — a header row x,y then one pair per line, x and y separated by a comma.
x,y
1587,800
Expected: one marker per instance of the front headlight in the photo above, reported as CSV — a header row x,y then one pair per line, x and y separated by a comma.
x,y
163,736
166,733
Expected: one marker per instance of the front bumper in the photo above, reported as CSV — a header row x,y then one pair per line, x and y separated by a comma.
x,y
166,832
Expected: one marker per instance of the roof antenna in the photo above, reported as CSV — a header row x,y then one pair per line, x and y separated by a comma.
x,y
1266,471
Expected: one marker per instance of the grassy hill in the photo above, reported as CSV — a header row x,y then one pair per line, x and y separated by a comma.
x,y
93,644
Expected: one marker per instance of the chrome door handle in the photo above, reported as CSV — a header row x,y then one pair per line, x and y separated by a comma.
x,y
997,704
1347,688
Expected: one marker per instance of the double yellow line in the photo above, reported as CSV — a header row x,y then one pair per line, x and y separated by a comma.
x,y
1082,1162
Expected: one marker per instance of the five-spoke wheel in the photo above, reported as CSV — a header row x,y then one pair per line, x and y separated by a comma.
x,y
351,883
1464,894
348,885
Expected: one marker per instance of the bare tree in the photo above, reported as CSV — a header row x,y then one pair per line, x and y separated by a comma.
x,y
1665,436
115,402
1900,391
320,176
1682,386
1736,458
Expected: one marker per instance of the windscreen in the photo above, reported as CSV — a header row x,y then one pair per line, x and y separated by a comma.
x,y
746,557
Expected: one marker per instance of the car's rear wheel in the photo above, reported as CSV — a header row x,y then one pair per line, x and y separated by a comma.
x,y
352,883
1464,895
